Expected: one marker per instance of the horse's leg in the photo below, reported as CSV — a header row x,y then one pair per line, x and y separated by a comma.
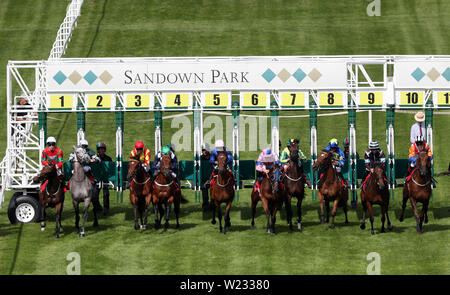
x,y
333,212
95,216
383,217
322,202
161,212
274,216
155,211
299,213
214,205
255,200
227,214
369,207
327,207
58,217
87,202
363,222
168,207
414,205
425,208
76,206
423,213
219,215
176,208
405,199
146,210
42,217
288,210
265,204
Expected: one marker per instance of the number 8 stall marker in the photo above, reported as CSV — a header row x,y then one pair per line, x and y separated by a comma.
x,y
335,99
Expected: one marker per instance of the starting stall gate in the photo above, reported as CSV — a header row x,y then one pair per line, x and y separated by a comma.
x,y
201,84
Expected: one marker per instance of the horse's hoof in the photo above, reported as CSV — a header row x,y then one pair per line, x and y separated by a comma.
x,y
346,222
82,234
136,227
95,224
166,225
228,224
213,221
56,236
299,226
390,227
332,226
274,233
61,230
42,228
177,226
362,226
400,219
221,229
382,230
372,232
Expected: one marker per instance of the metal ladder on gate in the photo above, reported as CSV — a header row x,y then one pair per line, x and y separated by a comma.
x,y
15,166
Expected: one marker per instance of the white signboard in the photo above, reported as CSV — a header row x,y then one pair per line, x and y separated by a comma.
x,y
422,75
195,75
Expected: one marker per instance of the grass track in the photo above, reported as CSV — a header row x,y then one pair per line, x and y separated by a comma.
x,y
206,28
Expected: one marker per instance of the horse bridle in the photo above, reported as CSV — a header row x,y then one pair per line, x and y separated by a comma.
x,y
134,175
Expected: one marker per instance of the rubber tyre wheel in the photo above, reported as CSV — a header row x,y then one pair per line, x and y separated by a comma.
x,y
23,209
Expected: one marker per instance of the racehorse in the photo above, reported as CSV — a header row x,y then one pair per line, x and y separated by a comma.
x,y
165,192
330,188
52,196
375,191
81,189
270,196
140,191
222,191
294,185
418,189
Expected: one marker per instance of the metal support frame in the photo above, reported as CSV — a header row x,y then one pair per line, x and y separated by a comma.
x,y
235,121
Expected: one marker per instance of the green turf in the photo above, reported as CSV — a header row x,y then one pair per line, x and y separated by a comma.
x,y
224,28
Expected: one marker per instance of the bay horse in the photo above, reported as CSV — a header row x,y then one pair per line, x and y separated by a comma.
x,y
294,185
270,196
165,192
81,189
375,191
51,195
140,191
418,189
222,191
330,188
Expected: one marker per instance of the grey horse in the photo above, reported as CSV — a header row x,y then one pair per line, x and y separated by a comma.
x,y
81,188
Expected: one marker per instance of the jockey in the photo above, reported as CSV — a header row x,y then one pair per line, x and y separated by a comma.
x,y
338,159
93,158
266,161
143,154
218,147
173,163
171,146
419,145
371,156
53,155
286,154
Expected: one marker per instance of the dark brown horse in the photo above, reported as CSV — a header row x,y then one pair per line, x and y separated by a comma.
x,y
51,196
418,189
270,196
165,192
375,191
222,191
294,185
330,188
140,191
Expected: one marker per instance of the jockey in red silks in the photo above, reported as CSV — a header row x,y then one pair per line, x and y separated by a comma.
x,y
53,155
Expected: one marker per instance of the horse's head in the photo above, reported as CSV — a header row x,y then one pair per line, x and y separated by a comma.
x,y
222,159
293,151
378,170
133,166
165,165
323,160
81,155
424,164
46,172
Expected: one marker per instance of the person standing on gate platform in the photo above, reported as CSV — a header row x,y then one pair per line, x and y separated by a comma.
x,y
101,154
418,128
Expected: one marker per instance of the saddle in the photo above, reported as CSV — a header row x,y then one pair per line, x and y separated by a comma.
x,y
44,185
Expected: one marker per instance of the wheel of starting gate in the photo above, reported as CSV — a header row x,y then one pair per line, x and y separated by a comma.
x,y
23,209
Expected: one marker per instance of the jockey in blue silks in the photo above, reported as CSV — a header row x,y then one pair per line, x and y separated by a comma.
x,y
219,146
338,159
